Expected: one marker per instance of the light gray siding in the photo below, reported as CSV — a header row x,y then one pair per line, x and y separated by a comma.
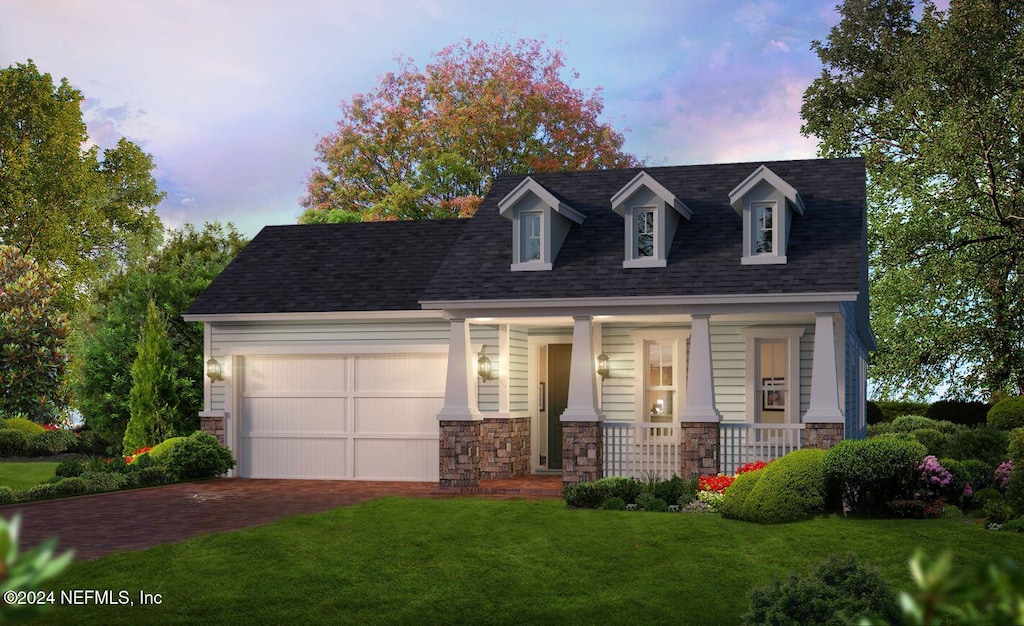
x,y
519,394
618,391
486,337
728,366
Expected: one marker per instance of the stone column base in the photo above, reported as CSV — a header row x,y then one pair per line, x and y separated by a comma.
x,y
459,454
505,447
822,435
582,452
698,449
213,426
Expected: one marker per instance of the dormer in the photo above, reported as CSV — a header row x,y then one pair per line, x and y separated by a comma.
x,y
767,204
651,214
540,223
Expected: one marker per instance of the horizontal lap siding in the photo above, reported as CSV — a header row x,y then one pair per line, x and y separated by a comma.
x,y
619,389
519,395
486,339
806,367
728,365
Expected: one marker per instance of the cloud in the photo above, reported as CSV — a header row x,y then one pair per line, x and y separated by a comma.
x,y
776,45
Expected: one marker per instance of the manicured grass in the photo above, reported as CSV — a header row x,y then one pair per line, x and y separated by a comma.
x,y
25,475
471,560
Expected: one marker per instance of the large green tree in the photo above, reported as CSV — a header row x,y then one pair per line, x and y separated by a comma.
x,y
934,100
32,335
427,143
153,401
75,210
107,346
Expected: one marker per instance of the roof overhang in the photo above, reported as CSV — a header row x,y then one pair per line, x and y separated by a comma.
x,y
763,174
643,179
529,185
326,316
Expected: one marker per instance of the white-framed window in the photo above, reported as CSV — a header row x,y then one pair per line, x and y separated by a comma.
x,y
764,228
644,238
532,229
659,356
772,363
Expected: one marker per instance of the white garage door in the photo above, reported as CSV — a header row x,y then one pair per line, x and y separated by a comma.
x,y
365,417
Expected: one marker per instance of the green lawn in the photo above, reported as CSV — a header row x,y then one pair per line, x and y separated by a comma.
x,y
470,560
25,475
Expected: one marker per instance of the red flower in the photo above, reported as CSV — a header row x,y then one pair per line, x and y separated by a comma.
x,y
134,455
751,467
50,427
717,484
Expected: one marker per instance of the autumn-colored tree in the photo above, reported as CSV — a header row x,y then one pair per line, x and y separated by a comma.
x,y
75,213
934,101
32,334
427,143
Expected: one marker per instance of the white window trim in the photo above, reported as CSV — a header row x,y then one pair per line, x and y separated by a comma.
x,y
658,259
751,335
775,257
679,338
544,262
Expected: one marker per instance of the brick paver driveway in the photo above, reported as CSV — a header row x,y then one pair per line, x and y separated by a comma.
x,y
130,520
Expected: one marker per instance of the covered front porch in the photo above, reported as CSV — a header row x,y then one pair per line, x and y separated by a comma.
x,y
633,390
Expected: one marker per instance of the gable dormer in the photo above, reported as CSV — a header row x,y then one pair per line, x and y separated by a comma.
x,y
767,204
651,214
540,223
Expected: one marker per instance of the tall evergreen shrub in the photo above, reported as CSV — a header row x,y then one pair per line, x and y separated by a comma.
x,y
153,399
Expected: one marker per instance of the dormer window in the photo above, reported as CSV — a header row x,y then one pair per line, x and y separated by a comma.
x,y
540,224
651,214
767,205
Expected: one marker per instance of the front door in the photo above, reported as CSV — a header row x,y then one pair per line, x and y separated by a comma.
x,y
559,359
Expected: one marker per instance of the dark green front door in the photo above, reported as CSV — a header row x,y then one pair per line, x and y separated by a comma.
x,y
559,359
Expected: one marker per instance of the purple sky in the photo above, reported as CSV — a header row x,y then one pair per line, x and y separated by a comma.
x,y
230,96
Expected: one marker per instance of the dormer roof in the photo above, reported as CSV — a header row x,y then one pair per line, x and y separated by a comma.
x,y
643,179
529,185
763,174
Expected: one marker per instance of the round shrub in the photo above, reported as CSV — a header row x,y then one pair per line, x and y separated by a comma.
x,y
149,476
1015,525
162,450
1015,447
952,511
839,591
7,495
51,442
882,428
71,487
736,494
676,489
979,473
614,504
585,495
865,475
935,441
70,469
910,423
201,456
620,487
790,489
1007,414
23,425
99,482
13,442
90,442
984,444
656,505
42,491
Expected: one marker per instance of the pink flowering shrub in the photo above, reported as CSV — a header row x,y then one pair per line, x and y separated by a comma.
x,y
1001,478
935,479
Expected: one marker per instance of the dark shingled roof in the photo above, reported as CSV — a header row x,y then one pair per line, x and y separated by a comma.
x,y
824,254
380,266
368,266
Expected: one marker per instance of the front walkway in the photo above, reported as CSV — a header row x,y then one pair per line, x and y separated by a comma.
x,y
100,524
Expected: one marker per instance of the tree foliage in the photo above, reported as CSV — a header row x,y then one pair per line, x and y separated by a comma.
x,y
427,143
75,211
934,100
152,400
106,348
32,334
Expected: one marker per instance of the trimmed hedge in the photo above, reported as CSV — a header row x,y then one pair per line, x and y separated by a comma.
x,y
26,426
958,412
7,495
737,493
893,409
13,442
866,475
52,442
984,444
590,495
790,489
162,450
1015,447
1007,414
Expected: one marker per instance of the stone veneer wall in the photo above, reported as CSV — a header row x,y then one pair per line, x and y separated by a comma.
x,y
213,426
582,452
505,447
459,454
822,435
698,453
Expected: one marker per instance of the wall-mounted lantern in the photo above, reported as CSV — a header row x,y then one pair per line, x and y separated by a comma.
x,y
483,368
602,365
214,369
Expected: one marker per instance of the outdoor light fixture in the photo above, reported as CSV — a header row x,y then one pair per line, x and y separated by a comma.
x,y
214,369
602,365
483,368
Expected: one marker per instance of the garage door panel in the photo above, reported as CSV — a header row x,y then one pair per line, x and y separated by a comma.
x,y
294,457
397,415
295,375
389,459
400,373
290,415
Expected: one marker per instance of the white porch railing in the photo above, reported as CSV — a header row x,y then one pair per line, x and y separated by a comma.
x,y
635,450
740,444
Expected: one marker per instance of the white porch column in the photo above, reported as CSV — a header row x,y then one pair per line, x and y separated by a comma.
x,y
582,404
824,405
700,386
459,400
